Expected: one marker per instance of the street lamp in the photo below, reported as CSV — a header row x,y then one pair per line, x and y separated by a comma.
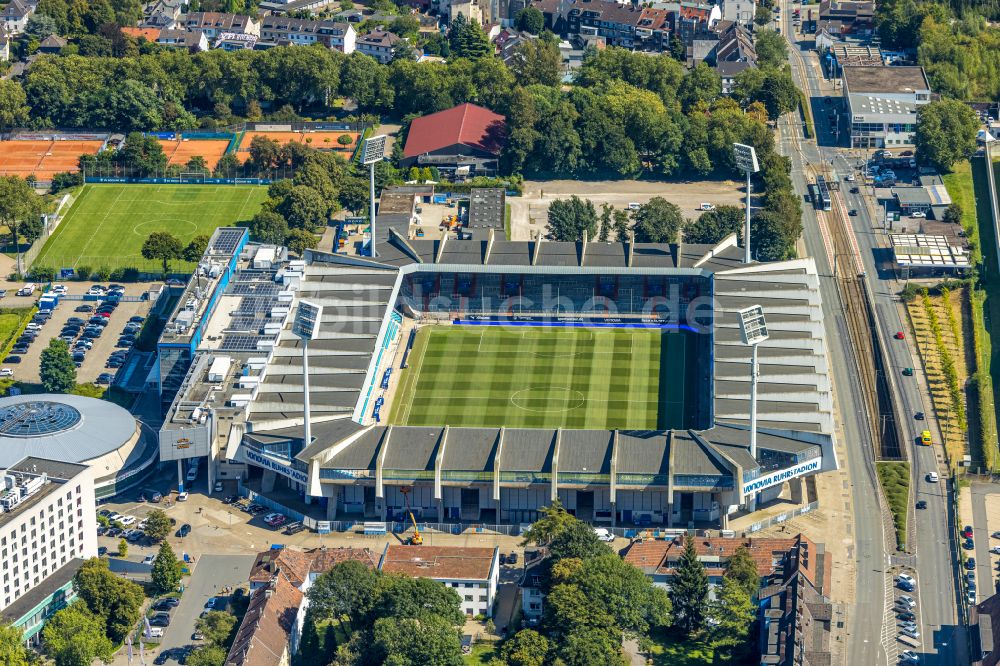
x,y
746,161
306,327
372,152
753,328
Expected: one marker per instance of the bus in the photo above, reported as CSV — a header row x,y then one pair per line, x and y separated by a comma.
x,y
824,202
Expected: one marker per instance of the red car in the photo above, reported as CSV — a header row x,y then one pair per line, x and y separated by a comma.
x,y
899,335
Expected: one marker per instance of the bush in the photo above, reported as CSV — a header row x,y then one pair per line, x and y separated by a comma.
x,y
895,480
83,273
65,180
130,274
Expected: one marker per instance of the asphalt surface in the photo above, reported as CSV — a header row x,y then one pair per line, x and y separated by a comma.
x,y
872,634
985,584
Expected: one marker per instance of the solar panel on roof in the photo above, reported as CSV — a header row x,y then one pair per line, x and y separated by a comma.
x,y
30,419
226,240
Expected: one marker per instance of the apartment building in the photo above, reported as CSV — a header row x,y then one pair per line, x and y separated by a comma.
x,y
882,104
473,573
282,30
214,24
379,44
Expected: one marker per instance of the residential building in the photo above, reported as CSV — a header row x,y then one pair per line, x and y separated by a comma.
x,y
47,520
473,573
150,34
215,23
33,608
14,17
296,6
739,11
470,9
192,40
270,631
984,626
4,46
507,41
281,30
733,54
614,22
847,18
234,41
301,567
691,20
379,44
163,13
53,44
532,595
882,104
463,140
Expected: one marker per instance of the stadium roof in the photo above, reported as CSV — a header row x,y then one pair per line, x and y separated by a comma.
x,y
465,124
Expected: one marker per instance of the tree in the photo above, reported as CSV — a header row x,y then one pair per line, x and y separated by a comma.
x,y
658,221
621,226
197,163
349,588
166,572
428,640
743,570
689,590
537,61
569,218
404,597
555,519
57,371
304,208
13,104
771,47
20,209
122,548
623,592
714,225
531,19
606,212
117,601
946,133
143,154
74,636
779,93
162,245
310,649
702,84
467,39
525,648
577,540
193,252
157,525
762,15
217,627
269,227
207,655
733,612
12,650
953,213
300,240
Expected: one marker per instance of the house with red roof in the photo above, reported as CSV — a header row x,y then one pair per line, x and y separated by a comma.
x,y
462,142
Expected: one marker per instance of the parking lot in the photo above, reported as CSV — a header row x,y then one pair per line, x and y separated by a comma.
x,y
91,343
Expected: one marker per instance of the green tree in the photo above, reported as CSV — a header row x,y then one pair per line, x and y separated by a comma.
x,y
269,227
300,240
953,213
771,47
658,221
531,19
207,655
569,218
525,648
403,597
946,133
537,61
762,15
166,572
12,650
349,588
143,154
122,548
193,252
623,592
555,519
117,601
621,225
577,540
779,93
310,649
467,39
607,211
164,246
157,525
74,636
733,612
702,84
742,569
428,640
217,627
57,371
13,104
714,225
20,209
304,208
689,590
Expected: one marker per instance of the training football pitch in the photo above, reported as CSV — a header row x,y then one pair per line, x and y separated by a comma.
x,y
107,224
541,377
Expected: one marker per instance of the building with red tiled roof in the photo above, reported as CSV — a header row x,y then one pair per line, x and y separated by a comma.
x,y
301,567
269,633
149,34
466,139
472,572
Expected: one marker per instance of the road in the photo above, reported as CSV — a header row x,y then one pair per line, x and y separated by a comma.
x,y
872,638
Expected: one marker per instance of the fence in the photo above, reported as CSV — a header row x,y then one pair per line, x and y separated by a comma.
x,y
29,256
102,171
781,518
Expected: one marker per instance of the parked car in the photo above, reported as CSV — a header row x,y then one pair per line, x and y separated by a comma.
x,y
906,578
182,497
84,308
160,620
967,531
149,559
922,504
970,564
603,534
184,530
968,544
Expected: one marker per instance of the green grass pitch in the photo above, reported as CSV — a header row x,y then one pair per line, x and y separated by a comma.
x,y
540,377
107,224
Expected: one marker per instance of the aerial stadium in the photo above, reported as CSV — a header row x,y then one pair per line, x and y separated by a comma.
x,y
477,381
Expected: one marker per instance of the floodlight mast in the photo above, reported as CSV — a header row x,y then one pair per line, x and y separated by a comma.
x,y
746,161
372,153
306,327
753,328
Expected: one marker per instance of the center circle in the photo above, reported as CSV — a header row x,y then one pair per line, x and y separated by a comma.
x,y
174,225
548,399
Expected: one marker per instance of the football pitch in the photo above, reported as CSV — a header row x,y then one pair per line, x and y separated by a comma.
x,y
541,377
107,224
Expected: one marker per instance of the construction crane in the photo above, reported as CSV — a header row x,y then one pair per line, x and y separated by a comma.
x,y
416,539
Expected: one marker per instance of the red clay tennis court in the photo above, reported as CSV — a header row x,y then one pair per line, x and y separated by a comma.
x,y
44,158
318,140
179,151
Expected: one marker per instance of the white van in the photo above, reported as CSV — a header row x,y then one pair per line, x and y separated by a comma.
x,y
192,473
27,290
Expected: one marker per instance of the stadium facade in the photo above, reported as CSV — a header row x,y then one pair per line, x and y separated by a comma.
x,y
240,403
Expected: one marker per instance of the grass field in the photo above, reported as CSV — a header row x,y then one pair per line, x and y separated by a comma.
x,y
107,224
533,377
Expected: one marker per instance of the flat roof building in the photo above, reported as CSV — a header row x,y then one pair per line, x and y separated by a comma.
x,y
882,104
472,572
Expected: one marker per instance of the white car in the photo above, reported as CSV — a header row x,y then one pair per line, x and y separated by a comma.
x,y
149,559
155,632
910,656
182,497
706,206
851,178
192,473
995,550
58,289
912,633
6,372
112,517
271,516
634,206
604,534
906,578
218,487
95,291
918,214
932,477
906,600
33,327
127,520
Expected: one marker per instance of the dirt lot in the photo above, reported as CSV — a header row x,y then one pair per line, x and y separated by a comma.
x,y
528,212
